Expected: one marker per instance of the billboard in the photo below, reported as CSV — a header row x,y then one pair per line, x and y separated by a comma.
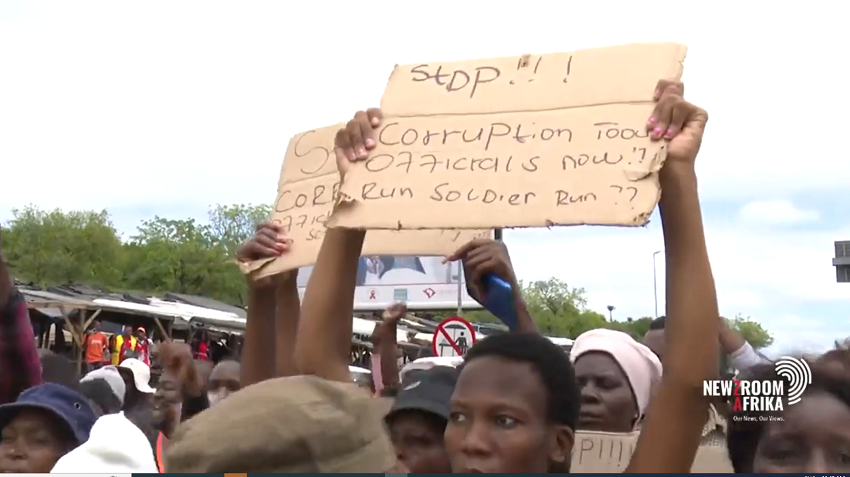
x,y
424,283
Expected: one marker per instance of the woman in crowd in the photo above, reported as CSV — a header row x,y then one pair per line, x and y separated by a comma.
x,y
811,436
418,418
616,375
45,423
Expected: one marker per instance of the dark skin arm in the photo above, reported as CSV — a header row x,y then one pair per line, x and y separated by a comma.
x,y
286,324
260,329
672,430
259,337
483,256
324,331
388,343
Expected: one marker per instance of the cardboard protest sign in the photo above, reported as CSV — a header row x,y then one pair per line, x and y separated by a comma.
x,y
307,190
530,141
602,452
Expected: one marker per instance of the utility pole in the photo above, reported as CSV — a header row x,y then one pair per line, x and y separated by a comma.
x,y
655,281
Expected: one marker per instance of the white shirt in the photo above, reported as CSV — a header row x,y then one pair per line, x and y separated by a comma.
x,y
115,446
746,357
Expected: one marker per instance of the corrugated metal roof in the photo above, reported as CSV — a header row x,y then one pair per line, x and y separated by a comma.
x,y
206,303
36,297
195,311
50,312
138,308
179,308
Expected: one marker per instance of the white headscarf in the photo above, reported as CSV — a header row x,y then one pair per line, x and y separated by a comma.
x,y
642,367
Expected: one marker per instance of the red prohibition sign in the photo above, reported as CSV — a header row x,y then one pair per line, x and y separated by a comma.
x,y
444,333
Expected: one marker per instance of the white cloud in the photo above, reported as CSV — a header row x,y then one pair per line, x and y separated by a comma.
x,y
796,335
756,274
775,212
122,105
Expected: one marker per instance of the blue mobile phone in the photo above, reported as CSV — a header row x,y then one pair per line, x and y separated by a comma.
x,y
499,300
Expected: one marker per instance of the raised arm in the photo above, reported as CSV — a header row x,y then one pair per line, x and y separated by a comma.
x,y
260,330
671,433
741,353
325,327
20,367
286,324
388,344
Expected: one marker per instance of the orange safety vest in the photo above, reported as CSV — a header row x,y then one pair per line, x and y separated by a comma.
x,y
161,441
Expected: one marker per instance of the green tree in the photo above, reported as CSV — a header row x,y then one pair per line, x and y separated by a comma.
x,y
179,256
560,310
186,256
634,327
230,225
56,247
752,331
556,308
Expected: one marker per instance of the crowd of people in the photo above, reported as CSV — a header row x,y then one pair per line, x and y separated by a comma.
x,y
102,350
514,403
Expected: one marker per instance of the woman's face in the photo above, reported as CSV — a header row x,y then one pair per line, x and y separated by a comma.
x,y
607,401
418,442
813,438
32,442
499,421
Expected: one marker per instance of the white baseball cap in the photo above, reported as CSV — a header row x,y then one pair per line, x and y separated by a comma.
x,y
141,374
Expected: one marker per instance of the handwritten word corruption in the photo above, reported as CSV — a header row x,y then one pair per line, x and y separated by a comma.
x,y
538,140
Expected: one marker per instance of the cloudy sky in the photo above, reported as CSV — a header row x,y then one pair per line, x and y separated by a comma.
x,y
166,107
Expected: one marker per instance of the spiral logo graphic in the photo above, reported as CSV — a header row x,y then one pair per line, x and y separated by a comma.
x,y
798,373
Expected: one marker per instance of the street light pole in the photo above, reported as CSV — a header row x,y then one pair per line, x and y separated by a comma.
x,y
655,282
459,288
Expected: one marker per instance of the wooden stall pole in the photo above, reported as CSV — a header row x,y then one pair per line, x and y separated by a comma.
x,y
162,329
75,337
90,321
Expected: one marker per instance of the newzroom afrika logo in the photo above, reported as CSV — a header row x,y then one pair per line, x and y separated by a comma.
x,y
749,396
